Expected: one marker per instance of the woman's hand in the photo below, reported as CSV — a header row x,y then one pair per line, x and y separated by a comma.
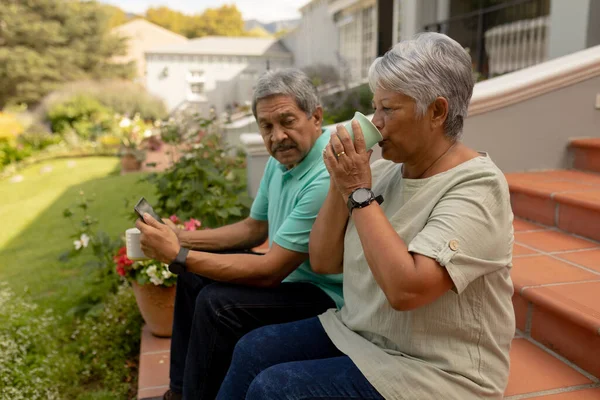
x,y
348,162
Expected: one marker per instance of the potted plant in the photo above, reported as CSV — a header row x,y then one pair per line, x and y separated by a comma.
x,y
154,288
153,285
132,133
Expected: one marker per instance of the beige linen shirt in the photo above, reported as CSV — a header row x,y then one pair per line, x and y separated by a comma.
x,y
456,347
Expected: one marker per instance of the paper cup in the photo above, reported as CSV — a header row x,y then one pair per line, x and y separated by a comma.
x,y
370,132
132,241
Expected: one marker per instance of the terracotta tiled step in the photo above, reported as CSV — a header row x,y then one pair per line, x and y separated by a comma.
x,y
153,379
586,154
534,373
569,200
557,292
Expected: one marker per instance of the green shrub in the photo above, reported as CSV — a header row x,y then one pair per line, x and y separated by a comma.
x,y
38,137
26,371
107,345
11,153
341,107
206,183
123,97
81,114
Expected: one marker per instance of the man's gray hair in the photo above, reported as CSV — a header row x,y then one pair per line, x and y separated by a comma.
x,y
427,66
288,82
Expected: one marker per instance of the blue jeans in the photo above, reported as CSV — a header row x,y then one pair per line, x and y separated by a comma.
x,y
293,361
211,317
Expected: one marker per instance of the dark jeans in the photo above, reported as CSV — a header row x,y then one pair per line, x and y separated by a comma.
x,y
211,317
293,361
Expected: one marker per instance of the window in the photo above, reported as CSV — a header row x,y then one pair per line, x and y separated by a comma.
x,y
196,74
197,88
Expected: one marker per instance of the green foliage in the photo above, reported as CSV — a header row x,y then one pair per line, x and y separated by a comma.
x,y
107,344
116,16
11,153
98,350
45,43
24,371
341,106
38,138
206,183
223,21
123,97
86,237
83,115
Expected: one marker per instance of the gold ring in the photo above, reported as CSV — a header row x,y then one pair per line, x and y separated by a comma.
x,y
340,154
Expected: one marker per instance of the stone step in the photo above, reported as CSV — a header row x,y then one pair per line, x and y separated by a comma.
x,y
557,292
568,200
586,154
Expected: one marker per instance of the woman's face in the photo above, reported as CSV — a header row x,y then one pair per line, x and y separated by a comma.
x,y
404,135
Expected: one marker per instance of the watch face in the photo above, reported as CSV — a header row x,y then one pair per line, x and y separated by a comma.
x,y
361,195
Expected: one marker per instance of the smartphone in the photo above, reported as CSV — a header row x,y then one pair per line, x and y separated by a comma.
x,y
143,206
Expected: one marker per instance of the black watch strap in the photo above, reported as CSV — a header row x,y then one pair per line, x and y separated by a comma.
x,y
178,265
352,203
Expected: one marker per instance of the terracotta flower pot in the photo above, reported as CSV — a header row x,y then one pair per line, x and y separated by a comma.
x,y
130,163
156,303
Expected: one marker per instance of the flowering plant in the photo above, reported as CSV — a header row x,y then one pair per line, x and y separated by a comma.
x,y
132,131
151,271
143,272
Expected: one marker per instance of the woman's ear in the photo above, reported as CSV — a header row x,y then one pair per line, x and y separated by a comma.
x,y
439,114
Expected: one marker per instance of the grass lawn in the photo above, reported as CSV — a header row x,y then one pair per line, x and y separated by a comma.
x,y
34,232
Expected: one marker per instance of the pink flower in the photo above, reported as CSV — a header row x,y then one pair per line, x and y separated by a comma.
x,y
174,219
120,270
192,224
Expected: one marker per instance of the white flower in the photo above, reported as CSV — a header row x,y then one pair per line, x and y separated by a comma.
x,y
147,133
230,176
167,274
125,123
82,242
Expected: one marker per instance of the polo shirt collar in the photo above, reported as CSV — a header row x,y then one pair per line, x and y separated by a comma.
x,y
314,155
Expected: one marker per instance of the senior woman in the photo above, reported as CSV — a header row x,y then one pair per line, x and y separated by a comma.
x,y
428,312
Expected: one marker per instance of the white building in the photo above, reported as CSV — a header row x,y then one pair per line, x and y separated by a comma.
x,y
502,36
213,72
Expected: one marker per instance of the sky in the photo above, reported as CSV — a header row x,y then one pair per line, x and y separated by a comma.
x,y
262,10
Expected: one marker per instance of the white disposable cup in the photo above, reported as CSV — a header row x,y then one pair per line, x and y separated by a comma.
x,y
132,241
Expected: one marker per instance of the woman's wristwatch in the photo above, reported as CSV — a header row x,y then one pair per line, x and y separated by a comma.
x,y
362,197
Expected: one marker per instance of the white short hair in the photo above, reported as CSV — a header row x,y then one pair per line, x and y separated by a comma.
x,y
428,66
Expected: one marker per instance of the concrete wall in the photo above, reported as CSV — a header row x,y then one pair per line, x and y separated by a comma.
x,y
593,33
174,88
568,26
315,40
534,134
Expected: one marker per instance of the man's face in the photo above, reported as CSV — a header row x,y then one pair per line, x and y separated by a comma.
x,y
287,131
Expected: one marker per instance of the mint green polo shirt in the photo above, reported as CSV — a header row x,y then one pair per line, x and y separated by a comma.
x,y
290,200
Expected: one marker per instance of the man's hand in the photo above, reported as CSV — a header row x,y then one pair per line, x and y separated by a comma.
x,y
171,225
157,241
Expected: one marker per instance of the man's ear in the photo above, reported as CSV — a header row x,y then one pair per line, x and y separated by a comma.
x,y
439,114
318,117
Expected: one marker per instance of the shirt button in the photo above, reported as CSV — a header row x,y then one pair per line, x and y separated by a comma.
x,y
453,245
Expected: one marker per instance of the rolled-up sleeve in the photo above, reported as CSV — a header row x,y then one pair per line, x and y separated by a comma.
x,y
463,232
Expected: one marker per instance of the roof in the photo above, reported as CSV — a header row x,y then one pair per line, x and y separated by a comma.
x,y
134,25
226,45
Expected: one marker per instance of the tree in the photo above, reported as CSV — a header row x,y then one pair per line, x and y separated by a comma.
x,y
172,20
116,15
45,43
223,21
